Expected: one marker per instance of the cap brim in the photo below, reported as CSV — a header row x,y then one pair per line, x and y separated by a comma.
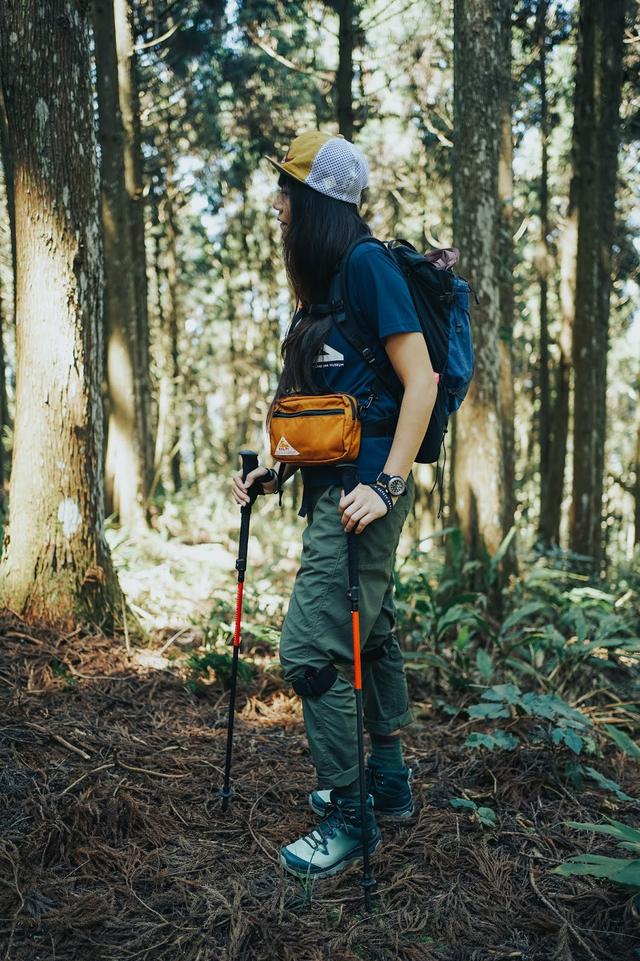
x,y
283,170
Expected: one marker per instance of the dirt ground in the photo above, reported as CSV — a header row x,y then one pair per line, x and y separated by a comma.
x,y
113,845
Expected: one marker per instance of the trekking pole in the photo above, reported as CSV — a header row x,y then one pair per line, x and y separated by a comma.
x,y
368,882
249,463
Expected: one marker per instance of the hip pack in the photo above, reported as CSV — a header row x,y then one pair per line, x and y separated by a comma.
x,y
315,429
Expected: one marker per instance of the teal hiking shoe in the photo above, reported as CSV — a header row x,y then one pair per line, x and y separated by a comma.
x,y
389,787
334,843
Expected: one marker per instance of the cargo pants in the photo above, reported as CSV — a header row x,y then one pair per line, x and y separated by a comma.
x,y
317,632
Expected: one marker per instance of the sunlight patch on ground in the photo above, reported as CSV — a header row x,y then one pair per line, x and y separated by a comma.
x,y
169,584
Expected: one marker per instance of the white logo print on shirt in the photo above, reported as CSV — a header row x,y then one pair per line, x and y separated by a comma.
x,y
329,357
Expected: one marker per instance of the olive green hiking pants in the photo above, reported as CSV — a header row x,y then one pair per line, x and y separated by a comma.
x,y
317,632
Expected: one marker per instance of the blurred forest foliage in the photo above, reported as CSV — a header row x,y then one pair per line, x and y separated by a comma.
x,y
216,87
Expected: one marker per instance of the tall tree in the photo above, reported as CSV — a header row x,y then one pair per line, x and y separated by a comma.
x,y
596,140
481,477
56,566
547,528
4,412
554,375
173,273
126,473
134,183
506,268
636,490
7,166
347,11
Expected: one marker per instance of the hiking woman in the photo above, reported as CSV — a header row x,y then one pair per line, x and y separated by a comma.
x,y
320,186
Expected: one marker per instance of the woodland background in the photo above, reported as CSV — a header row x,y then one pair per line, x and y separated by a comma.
x,y
142,305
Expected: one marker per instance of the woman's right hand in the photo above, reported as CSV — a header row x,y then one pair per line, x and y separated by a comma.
x,y
239,487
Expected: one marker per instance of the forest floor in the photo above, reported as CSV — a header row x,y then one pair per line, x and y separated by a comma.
x,y
113,844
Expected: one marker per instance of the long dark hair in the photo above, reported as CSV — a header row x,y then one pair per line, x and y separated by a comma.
x,y
318,234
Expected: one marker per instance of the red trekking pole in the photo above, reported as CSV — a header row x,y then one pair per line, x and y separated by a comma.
x,y
368,882
249,463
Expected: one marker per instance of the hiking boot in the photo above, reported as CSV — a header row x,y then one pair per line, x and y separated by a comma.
x,y
334,843
389,787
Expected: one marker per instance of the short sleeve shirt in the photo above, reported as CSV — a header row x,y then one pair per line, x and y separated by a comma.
x,y
381,301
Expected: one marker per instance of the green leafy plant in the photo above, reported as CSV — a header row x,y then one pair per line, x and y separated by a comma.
x,y
620,870
485,815
60,670
562,630
554,719
200,665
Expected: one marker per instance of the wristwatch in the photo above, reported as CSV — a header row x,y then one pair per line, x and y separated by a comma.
x,y
393,483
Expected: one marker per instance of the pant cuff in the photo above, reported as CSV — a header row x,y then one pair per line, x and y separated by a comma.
x,y
340,779
391,724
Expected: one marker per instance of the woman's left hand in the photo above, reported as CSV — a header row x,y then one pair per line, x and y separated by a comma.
x,y
360,508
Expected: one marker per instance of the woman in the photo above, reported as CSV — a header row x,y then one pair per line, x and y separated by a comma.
x,y
321,181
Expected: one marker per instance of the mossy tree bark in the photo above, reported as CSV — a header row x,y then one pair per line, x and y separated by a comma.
x,y
481,473
56,567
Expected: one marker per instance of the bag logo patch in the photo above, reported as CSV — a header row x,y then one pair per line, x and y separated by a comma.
x,y
285,448
329,357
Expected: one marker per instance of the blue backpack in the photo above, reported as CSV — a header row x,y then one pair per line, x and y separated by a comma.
x,y
442,304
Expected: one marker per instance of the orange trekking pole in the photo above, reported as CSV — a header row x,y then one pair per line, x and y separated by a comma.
x,y
249,463
368,883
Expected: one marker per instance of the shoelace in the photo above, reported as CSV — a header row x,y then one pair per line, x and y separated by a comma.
x,y
326,829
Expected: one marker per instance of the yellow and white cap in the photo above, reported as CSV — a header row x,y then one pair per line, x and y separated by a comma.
x,y
327,163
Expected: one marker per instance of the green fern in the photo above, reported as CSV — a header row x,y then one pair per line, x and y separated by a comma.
x,y
619,870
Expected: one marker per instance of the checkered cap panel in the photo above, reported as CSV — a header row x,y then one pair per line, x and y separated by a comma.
x,y
339,170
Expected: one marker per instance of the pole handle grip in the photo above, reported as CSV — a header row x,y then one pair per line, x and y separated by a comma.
x,y
249,460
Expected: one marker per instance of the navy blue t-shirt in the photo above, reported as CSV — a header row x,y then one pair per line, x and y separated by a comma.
x,y
381,301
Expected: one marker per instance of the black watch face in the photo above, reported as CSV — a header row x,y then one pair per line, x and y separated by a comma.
x,y
396,486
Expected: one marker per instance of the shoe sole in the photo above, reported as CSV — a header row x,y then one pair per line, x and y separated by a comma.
x,y
328,872
382,815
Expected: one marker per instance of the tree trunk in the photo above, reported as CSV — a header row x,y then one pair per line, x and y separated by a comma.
x,y
554,386
130,110
4,413
481,475
546,534
636,492
551,506
597,107
344,75
164,384
7,166
174,360
125,473
57,566
506,269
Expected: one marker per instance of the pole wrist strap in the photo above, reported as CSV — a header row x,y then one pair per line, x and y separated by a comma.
x,y
384,495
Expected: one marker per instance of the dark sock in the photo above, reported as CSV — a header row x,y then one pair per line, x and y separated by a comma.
x,y
348,790
386,750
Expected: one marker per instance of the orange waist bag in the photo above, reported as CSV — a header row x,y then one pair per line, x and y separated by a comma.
x,y
315,429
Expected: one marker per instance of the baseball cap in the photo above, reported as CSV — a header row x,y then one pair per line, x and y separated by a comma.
x,y
327,163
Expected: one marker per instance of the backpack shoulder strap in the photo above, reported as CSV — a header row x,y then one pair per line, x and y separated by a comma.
x,y
352,331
